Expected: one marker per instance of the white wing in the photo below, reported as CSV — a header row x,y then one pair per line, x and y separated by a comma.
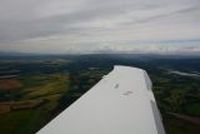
x,y
121,103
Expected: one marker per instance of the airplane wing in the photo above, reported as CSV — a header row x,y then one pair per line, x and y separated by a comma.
x,y
121,103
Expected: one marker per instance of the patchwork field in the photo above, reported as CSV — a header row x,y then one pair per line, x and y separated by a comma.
x,y
28,100
34,89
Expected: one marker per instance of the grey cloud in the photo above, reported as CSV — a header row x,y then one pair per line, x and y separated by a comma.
x,y
162,15
58,24
96,20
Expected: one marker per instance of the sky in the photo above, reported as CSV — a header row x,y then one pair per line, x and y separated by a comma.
x,y
100,26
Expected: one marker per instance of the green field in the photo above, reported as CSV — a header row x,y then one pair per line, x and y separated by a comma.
x,y
25,120
35,90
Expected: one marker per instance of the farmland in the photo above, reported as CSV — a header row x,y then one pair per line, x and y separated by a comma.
x,y
35,89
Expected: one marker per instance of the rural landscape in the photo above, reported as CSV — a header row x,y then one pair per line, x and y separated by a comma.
x,y
53,51
34,89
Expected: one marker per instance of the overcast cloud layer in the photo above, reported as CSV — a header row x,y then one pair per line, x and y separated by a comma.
x,y
100,26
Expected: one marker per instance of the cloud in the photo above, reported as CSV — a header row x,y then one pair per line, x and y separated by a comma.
x,y
87,26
